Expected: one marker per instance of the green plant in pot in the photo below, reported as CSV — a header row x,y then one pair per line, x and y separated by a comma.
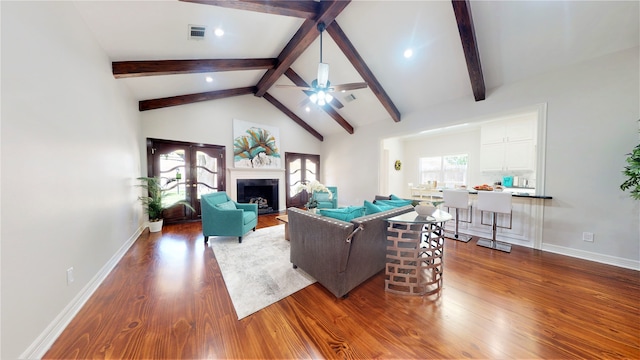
x,y
632,172
153,204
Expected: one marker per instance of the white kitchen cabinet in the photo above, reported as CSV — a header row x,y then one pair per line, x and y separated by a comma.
x,y
508,145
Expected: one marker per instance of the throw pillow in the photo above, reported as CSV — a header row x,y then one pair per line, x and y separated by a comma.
x,y
345,214
321,196
394,203
228,205
371,208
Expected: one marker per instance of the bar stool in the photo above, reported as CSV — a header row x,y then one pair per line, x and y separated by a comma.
x,y
458,199
495,202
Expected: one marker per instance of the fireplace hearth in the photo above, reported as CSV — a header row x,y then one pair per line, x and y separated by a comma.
x,y
263,192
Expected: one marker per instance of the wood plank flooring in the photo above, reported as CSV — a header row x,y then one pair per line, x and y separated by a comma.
x,y
166,299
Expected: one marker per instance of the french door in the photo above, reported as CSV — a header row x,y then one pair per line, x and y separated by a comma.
x,y
300,168
186,172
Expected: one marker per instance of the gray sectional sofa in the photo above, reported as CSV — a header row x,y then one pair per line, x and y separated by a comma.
x,y
340,255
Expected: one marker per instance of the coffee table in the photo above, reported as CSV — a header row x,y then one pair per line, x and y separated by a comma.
x,y
285,220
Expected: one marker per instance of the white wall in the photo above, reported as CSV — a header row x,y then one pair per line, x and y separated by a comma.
x,y
211,122
593,110
70,145
396,181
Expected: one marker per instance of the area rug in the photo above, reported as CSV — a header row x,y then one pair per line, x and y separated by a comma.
x,y
257,272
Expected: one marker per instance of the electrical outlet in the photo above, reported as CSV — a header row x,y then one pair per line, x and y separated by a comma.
x,y
70,278
587,236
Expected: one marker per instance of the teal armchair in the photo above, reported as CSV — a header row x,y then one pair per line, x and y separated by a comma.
x,y
222,216
324,202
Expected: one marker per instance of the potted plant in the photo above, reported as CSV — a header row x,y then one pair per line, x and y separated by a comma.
x,y
310,187
632,172
152,202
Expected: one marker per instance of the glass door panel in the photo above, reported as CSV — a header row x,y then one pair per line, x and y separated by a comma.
x,y
206,173
295,176
310,170
172,167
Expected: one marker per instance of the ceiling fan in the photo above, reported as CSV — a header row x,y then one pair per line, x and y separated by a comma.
x,y
321,88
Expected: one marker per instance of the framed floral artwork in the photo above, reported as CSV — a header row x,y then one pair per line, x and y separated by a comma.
x,y
255,145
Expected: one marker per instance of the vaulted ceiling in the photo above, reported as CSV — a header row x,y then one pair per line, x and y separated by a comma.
x,y
461,49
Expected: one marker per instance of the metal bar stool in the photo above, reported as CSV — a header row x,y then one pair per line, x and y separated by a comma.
x,y
495,202
458,199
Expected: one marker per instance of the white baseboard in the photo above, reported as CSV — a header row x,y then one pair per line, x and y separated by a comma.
x,y
44,341
587,255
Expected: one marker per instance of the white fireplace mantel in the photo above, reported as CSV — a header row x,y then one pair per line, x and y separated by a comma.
x,y
250,173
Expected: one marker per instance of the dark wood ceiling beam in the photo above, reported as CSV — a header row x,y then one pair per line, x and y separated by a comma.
x,y
339,119
300,9
305,35
358,63
191,98
293,116
462,10
126,69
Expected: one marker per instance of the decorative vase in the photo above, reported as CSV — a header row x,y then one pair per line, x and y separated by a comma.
x,y
313,210
425,208
155,226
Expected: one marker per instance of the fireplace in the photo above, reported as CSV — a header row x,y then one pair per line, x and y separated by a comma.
x,y
263,192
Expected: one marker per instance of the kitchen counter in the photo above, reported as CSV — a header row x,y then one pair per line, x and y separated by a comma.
x,y
425,194
527,217
521,195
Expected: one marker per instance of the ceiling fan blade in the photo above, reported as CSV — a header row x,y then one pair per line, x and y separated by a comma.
x,y
323,74
295,87
304,102
350,86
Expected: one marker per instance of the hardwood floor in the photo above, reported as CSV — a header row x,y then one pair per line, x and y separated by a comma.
x,y
166,299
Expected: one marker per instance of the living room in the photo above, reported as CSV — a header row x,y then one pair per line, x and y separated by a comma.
x,y
68,121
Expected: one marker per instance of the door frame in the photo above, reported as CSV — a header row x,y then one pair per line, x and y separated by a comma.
x,y
299,200
190,170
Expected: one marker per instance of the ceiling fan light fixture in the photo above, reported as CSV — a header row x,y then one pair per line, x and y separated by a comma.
x,y
328,97
314,98
323,74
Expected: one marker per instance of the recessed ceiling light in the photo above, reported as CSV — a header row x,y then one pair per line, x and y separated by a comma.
x,y
209,79
408,53
219,32
307,109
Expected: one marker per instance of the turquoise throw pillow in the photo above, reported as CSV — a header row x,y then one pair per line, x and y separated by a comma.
x,y
229,205
321,196
394,203
344,214
371,208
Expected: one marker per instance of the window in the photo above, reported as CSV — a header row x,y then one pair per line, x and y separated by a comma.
x,y
448,171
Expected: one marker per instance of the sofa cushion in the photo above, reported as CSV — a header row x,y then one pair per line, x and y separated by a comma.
x,y
371,208
394,203
248,216
227,205
344,214
394,197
